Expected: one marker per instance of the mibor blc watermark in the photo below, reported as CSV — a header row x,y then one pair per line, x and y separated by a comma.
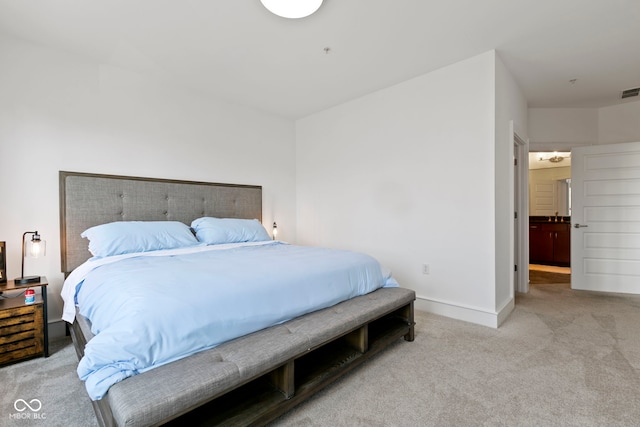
x,y
27,410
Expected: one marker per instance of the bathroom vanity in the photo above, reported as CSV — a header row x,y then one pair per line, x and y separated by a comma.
x,y
550,240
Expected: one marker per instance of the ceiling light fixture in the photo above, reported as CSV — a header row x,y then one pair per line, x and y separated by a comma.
x,y
292,8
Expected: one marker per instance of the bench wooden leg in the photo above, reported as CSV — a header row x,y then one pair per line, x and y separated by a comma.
x,y
407,315
283,379
359,339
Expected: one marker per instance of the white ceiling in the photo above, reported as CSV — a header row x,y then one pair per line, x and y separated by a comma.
x,y
238,51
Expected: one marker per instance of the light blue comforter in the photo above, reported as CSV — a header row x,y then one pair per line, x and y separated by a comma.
x,y
147,311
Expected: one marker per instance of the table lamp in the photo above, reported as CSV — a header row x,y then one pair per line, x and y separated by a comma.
x,y
37,247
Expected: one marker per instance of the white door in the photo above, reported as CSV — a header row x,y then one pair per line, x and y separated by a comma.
x,y
605,233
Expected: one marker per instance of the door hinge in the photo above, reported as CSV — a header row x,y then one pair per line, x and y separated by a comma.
x,y
515,162
515,267
515,215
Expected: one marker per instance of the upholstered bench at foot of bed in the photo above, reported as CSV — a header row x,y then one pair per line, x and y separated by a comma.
x,y
166,392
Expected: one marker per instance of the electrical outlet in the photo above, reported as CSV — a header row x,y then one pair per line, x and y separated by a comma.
x,y
425,268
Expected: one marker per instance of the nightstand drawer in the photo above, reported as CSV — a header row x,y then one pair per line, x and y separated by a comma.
x,y
21,333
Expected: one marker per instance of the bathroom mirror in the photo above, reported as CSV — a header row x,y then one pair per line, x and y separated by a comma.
x,y
549,184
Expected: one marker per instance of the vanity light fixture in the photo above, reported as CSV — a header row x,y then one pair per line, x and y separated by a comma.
x,y
37,247
555,158
292,8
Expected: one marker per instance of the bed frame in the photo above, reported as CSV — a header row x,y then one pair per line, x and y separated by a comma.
x,y
247,381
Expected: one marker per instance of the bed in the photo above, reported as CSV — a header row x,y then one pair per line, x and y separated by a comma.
x,y
247,378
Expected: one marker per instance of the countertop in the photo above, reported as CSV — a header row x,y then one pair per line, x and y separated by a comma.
x,y
540,219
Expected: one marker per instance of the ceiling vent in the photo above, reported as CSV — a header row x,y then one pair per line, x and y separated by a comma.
x,y
630,92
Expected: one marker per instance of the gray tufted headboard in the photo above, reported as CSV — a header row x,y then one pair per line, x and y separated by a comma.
x,y
87,200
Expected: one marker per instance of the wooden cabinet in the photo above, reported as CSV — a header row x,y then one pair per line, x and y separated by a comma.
x,y
550,243
23,327
562,244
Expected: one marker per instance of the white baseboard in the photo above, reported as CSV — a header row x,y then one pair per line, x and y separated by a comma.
x,y
57,328
506,310
468,314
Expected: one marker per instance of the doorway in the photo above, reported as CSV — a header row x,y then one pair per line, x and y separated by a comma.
x,y
549,218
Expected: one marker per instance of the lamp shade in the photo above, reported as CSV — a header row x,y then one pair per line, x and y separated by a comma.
x,y
36,247
292,8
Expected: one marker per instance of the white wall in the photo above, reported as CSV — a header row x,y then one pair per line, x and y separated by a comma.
x,y
407,174
560,129
619,123
61,112
511,116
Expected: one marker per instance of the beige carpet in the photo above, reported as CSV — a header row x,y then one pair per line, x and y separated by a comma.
x,y
563,358
54,383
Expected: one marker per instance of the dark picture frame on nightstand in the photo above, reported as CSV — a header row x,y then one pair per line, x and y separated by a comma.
x,y
3,263
24,332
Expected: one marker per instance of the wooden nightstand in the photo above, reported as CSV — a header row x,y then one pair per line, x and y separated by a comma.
x,y
24,331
